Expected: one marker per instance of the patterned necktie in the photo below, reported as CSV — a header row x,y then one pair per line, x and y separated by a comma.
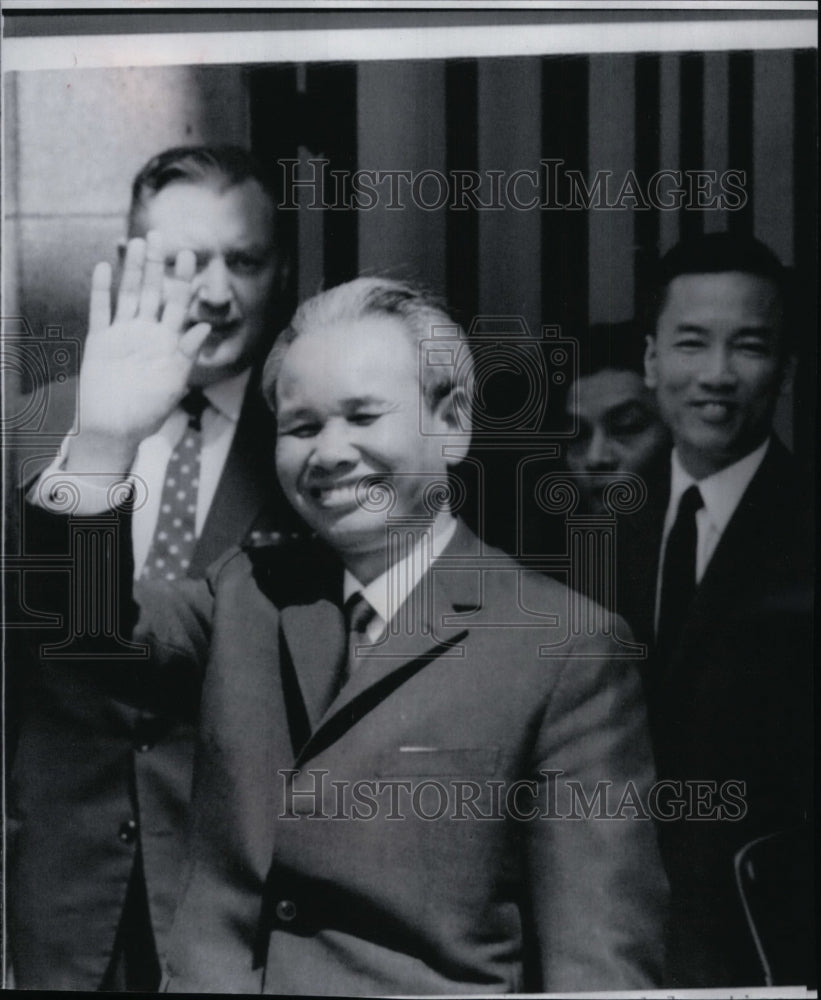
x,y
175,534
358,615
678,581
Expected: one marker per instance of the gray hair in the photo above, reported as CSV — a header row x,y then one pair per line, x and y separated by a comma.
x,y
422,318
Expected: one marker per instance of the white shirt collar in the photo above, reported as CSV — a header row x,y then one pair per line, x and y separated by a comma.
x,y
388,592
722,491
226,396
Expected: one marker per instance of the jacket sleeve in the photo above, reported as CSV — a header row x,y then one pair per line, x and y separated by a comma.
x,y
598,892
147,643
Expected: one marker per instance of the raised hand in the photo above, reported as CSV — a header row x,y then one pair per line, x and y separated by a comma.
x,y
135,368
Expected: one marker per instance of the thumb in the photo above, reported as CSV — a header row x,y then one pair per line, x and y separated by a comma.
x,y
192,340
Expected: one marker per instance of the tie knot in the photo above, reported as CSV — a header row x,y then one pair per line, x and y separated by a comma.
x,y
358,614
193,403
691,501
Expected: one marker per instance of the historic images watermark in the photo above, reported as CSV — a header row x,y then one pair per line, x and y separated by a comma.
x,y
552,186
314,795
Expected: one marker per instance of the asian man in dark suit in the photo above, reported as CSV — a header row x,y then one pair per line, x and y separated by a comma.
x,y
717,576
100,790
397,811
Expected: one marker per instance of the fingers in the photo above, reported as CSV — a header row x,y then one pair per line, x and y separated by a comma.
x,y
153,276
192,340
178,290
99,309
131,282
145,290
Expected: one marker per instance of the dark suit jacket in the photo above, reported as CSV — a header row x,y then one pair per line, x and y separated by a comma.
x,y
87,763
732,704
290,890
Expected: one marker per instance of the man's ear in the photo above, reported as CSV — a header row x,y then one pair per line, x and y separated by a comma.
x,y
452,415
650,357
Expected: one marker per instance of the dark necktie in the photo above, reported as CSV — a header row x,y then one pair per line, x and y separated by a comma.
x,y
175,534
358,615
678,581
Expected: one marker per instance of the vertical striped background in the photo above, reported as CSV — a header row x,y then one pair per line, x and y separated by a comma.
x,y
747,111
67,180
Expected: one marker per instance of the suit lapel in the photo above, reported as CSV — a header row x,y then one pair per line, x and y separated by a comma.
x,y
247,484
740,555
315,637
419,636
639,543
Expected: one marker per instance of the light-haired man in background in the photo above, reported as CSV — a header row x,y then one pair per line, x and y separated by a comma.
x,y
99,794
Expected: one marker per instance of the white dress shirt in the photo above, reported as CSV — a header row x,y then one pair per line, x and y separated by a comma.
x,y
388,592
721,493
147,474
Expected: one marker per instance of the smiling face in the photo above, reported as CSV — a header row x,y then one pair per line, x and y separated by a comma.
x,y
231,233
348,405
717,365
619,430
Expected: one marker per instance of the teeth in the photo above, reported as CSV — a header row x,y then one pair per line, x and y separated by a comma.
x,y
714,409
334,495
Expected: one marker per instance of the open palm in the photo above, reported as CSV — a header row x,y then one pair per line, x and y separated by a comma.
x,y
135,368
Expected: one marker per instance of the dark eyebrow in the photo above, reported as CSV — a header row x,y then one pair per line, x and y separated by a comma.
x,y
251,249
301,413
257,249
357,402
354,403
756,331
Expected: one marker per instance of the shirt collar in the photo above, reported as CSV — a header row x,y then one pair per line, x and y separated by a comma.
x,y
226,396
723,490
388,592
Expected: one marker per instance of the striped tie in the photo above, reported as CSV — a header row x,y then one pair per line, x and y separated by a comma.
x,y
358,615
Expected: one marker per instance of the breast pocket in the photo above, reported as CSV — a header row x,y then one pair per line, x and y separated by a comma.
x,y
438,762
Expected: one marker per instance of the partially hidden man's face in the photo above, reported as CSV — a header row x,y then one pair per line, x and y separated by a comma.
x,y
231,233
717,365
619,430
348,402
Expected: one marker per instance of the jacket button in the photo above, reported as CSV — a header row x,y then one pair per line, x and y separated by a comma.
x,y
145,732
286,910
128,831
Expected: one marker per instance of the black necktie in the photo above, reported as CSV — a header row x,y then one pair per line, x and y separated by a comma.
x,y
175,533
678,580
358,615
